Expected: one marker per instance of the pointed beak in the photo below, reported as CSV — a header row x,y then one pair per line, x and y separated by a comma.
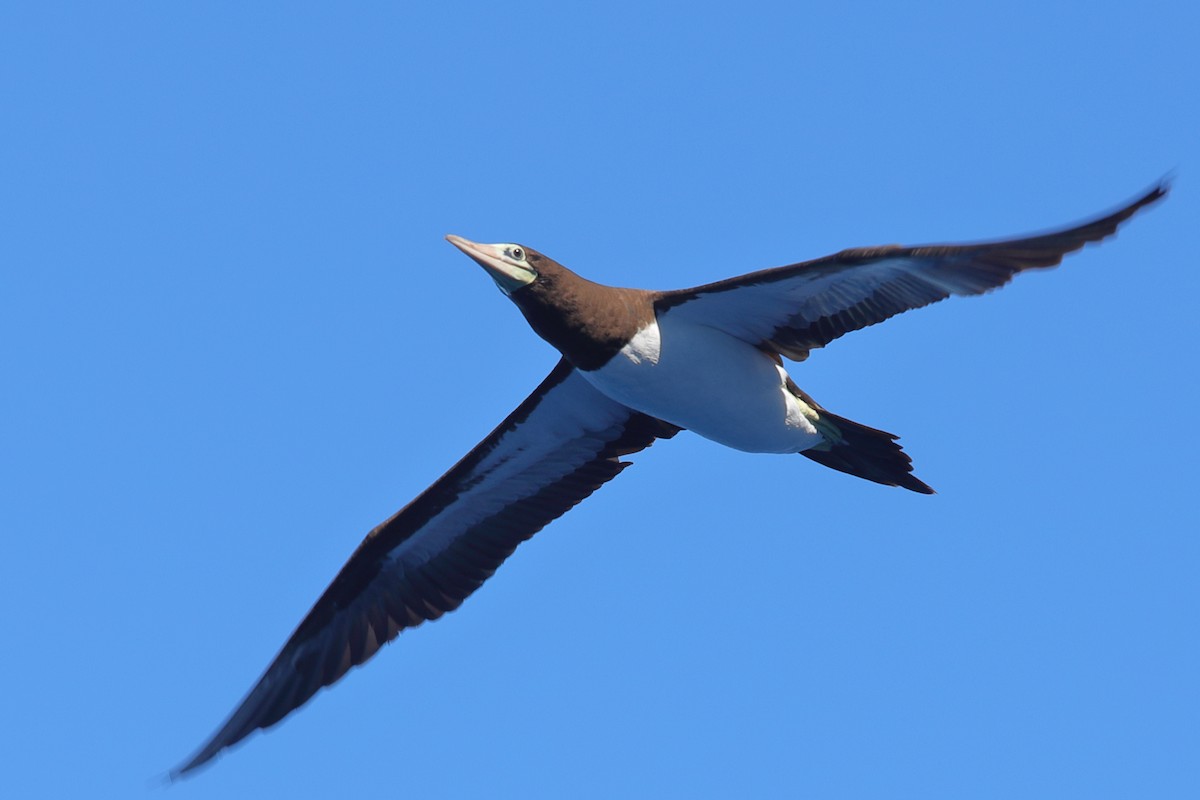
x,y
466,245
508,274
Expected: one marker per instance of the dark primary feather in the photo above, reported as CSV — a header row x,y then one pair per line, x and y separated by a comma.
x,y
561,444
796,309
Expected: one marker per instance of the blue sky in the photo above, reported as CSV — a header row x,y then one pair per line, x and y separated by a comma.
x,y
234,340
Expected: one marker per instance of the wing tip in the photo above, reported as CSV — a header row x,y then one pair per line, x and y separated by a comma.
x,y
203,757
1107,226
187,768
1156,193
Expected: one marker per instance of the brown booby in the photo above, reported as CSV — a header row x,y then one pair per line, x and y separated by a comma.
x,y
636,366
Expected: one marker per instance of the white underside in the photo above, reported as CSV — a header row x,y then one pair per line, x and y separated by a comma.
x,y
712,384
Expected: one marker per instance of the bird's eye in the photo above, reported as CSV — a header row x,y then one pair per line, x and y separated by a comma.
x,y
517,253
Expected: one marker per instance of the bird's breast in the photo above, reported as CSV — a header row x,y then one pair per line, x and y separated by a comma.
x,y
709,382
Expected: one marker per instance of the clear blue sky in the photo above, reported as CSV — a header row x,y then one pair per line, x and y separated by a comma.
x,y
233,340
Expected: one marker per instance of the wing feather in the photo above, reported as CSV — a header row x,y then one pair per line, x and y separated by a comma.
x,y
799,308
555,449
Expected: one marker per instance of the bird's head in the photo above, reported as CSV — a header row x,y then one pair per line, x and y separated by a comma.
x,y
512,266
586,321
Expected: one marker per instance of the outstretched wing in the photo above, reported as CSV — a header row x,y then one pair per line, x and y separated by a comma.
x,y
796,309
561,444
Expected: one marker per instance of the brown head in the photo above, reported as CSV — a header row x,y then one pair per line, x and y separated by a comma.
x,y
587,322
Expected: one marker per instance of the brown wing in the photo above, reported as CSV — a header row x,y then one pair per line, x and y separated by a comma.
x,y
561,444
799,308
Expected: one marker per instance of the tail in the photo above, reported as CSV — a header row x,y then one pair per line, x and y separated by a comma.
x,y
861,451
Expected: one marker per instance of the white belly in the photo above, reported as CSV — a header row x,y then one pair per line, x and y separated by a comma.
x,y
710,383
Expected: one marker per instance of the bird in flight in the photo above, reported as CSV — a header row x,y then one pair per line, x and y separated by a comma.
x,y
636,366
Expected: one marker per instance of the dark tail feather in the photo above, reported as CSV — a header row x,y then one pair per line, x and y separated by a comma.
x,y
866,453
